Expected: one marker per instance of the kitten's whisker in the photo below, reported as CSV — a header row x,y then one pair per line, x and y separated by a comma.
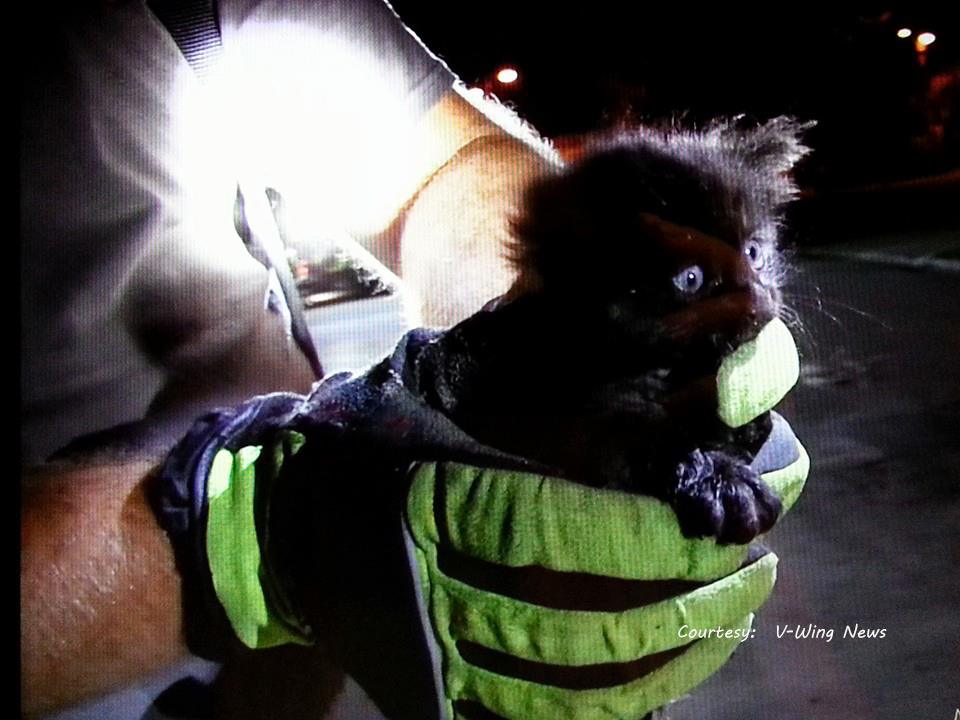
x,y
791,318
862,313
820,304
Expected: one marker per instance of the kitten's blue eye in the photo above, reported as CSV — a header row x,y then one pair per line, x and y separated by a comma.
x,y
754,252
689,280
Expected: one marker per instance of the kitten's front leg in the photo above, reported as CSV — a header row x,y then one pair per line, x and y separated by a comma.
x,y
719,494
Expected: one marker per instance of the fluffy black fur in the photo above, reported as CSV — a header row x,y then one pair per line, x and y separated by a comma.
x,y
640,267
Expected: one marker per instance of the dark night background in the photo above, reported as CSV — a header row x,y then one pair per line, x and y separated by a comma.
x,y
884,115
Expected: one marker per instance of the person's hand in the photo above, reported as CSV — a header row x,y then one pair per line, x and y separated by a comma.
x,y
547,599
473,580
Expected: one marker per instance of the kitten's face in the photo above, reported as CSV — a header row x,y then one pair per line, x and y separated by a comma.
x,y
667,239
697,289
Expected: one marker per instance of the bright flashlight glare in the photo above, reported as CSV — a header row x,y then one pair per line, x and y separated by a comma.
x,y
507,75
320,138
925,39
904,32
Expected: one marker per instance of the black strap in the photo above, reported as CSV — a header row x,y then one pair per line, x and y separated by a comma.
x,y
178,496
262,235
194,27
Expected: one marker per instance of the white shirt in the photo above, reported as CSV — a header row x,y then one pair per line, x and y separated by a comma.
x,y
131,266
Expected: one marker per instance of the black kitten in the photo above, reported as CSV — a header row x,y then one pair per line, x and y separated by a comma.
x,y
640,267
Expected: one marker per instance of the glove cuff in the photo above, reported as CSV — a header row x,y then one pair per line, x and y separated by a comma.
x,y
212,496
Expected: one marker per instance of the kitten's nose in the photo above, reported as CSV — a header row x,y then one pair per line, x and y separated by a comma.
x,y
763,302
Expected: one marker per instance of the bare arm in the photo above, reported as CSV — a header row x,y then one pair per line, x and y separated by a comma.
x,y
449,241
99,592
456,236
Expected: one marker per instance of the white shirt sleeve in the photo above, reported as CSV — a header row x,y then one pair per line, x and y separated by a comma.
x,y
130,261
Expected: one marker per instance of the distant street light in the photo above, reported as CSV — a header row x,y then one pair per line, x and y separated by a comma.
x,y
923,41
904,32
507,76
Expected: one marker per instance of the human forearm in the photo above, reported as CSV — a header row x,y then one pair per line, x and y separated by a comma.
x,y
99,591
445,229
456,235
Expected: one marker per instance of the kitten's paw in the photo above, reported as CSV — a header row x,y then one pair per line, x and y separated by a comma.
x,y
720,495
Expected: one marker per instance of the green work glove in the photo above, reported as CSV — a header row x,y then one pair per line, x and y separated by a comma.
x,y
470,584
548,599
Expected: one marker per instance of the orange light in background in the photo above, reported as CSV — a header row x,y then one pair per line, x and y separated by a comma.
x,y
507,75
904,32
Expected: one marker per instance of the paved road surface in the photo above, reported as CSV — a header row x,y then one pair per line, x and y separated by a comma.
x,y
875,539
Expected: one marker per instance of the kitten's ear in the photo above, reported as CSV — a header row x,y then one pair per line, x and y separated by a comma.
x,y
775,146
